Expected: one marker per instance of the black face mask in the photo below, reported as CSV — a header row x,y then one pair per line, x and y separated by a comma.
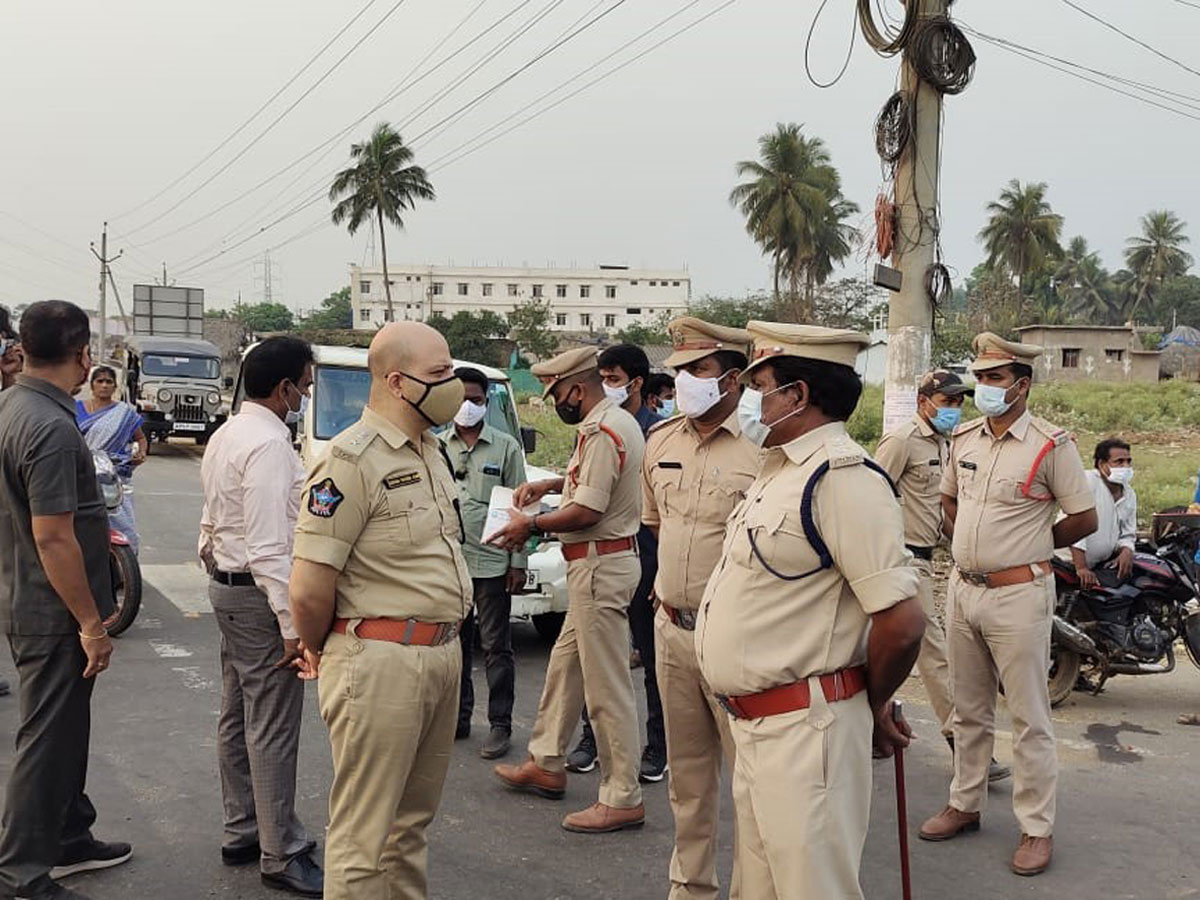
x,y
569,413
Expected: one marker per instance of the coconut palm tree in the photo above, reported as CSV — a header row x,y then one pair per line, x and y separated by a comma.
x,y
1082,282
1022,233
786,199
382,183
1157,253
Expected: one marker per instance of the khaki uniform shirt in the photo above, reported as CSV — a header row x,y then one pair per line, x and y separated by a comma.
x,y
755,630
496,460
383,513
1000,522
604,476
914,455
690,485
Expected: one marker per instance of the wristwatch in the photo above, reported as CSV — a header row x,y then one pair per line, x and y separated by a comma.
x,y
533,526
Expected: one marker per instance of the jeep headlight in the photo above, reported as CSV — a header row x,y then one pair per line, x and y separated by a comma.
x,y
213,398
164,396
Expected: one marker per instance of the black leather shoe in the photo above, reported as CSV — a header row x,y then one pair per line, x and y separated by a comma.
x,y
51,891
497,744
301,876
90,857
462,731
241,856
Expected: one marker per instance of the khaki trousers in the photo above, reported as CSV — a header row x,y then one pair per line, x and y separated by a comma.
x,y
933,663
698,738
1003,635
802,789
590,661
391,711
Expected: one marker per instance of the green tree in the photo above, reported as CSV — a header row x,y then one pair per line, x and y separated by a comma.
x,y
1157,253
380,182
734,312
261,317
1177,302
529,327
472,335
793,205
1022,233
847,303
335,312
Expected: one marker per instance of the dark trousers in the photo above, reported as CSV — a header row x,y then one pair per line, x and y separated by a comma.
x,y
641,626
490,617
46,811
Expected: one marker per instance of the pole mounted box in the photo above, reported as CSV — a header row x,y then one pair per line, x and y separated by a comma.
x,y
168,311
887,277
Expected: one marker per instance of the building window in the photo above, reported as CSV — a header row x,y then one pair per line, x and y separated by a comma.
x,y
1070,358
560,319
654,284
560,290
1114,355
585,290
633,311
487,290
537,290
610,320
610,291
438,288
463,288
418,278
364,287
408,278
585,319
364,315
674,284
634,281
512,290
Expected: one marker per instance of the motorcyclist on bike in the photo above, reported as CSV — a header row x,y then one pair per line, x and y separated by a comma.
x,y
1107,553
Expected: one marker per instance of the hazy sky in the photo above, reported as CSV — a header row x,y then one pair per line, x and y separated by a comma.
x,y
104,105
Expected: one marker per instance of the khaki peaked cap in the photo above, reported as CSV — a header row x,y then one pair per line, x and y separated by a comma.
x,y
773,339
992,351
693,339
565,365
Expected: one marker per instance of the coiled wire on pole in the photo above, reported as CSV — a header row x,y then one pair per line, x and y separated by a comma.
x,y
937,284
888,42
893,130
941,55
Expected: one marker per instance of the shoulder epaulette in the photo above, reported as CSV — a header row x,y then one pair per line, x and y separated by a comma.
x,y
968,426
353,442
843,452
658,426
1053,433
590,428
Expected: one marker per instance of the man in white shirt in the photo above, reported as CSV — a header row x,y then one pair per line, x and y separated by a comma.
x,y
1110,546
252,480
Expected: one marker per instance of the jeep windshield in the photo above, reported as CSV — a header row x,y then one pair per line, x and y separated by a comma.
x,y
169,365
339,395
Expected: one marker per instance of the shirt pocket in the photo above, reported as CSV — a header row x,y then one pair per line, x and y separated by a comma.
x,y
667,485
718,501
411,517
778,535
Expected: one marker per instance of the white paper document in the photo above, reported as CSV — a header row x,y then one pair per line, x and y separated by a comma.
x,y
500,506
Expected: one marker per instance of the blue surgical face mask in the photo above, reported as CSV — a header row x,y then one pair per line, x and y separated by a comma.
x,y
992,400
947,419
749,415
667,407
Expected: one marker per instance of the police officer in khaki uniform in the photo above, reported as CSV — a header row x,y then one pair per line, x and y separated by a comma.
x,y
597,523
810,622
914,454
379,591
698,466
1008,474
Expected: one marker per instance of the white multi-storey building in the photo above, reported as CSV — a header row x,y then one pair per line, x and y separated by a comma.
x,y
606,298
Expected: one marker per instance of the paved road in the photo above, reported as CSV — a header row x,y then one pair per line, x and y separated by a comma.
x,y
1128,805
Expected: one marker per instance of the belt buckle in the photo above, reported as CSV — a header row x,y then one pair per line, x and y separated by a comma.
x,y
687,619
974,578
449,632
729,705
839,687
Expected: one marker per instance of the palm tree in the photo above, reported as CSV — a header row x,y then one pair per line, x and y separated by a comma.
x,y
1157,253
787,201
1022,232
1081,281
381,182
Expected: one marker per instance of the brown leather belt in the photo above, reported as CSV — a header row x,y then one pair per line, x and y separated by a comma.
x,y
1006,577
840,685
402,631
681,618
572,552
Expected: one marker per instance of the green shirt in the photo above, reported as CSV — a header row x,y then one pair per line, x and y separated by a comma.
x,y
496,460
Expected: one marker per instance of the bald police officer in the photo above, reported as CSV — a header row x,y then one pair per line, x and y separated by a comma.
x,y
914,454
810,622
698,466
379,590
1007,476
597,523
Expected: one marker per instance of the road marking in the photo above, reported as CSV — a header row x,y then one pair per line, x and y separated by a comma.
x,y
170,651
184,584
193,678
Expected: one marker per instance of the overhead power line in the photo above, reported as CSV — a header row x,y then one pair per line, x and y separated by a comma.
x,y
1129,37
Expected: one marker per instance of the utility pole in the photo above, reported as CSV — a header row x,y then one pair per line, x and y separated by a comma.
x,y
105,275
910,311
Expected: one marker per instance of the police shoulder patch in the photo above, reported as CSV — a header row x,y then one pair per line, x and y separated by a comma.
x,y
324,498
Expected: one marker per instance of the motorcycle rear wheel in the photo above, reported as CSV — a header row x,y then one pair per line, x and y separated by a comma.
x,y
127,588
1064,673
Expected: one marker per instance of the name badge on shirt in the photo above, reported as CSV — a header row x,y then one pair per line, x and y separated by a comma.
x,y
491,469
670,465
963,464
403,479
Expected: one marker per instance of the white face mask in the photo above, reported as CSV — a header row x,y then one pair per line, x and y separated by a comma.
x,y
696,396
1120,474
470,414
617,395
749,415
296,416
992,400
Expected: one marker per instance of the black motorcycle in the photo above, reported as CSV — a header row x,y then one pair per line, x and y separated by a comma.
x,y
1128,628
122,561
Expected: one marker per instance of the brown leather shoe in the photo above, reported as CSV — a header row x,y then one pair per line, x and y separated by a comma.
x,y
599,818
947,824
1033,856
531,777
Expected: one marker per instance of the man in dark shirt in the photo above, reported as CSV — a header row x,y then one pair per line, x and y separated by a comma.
x,y
55,592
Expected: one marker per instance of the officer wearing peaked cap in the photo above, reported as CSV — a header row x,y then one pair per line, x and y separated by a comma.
x,y
597,523
1007,476
813,560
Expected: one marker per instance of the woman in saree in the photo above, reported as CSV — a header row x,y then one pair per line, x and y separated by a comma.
x,y
113,427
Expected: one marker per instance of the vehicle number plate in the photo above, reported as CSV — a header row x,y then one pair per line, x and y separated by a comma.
x,y
189,426
531,579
